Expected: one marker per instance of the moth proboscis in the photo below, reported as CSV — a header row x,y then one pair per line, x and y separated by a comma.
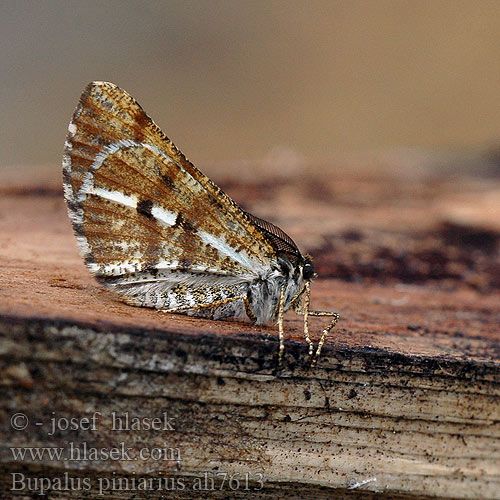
x,y
161,234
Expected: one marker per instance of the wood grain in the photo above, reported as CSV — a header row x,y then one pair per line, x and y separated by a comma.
x,y
404,403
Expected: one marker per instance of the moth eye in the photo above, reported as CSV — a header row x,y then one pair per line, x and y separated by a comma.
x,y
308,271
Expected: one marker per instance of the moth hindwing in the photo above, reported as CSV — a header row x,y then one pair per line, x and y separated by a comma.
x,y
161,234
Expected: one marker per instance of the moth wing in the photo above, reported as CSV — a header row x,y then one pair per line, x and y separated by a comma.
x,y
139,206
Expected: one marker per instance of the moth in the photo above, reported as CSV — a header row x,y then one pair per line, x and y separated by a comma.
x,y
159,233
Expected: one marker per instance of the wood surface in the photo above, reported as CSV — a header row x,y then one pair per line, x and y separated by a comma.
x,y
404,402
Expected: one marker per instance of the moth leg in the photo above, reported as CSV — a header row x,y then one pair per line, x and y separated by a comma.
x,y
301,307
325,332
248,310
281,315
207,305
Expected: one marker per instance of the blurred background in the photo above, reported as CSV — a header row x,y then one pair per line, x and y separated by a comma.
x,y
238,79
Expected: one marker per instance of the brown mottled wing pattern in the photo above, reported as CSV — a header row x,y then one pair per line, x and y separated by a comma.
x,y
137,204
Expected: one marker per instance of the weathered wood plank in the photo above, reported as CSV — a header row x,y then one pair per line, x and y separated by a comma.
x,y
405,401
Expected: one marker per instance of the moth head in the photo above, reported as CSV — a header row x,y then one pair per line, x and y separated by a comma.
x,y
308,268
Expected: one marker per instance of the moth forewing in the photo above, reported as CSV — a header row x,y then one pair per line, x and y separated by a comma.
x,y
158,232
